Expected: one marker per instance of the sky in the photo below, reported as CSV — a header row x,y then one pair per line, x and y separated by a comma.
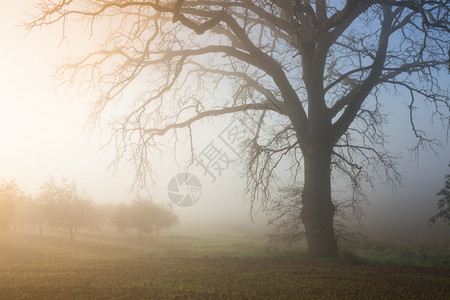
x,y
42,134
42,130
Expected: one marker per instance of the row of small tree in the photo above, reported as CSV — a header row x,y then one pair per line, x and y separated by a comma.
x,y
143,215
63,205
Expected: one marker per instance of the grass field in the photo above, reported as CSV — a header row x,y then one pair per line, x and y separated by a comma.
x,y
180,267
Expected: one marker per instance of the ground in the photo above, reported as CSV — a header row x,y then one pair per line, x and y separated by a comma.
x,y
178,267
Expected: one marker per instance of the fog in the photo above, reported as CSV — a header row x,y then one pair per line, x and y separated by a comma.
x,y
43,135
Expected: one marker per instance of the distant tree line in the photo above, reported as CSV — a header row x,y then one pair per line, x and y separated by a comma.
x,y
63,205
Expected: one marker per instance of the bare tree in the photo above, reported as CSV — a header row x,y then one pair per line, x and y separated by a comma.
x,y
140,212
32,212
65,206
120,217
162,218
144,215
10,196
324,67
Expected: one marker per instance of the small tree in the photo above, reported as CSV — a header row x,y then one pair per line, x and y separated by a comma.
x,y
10,196
31,211
120,217
102,217
140,216
64,205
35,214
443,203
162,218
143,215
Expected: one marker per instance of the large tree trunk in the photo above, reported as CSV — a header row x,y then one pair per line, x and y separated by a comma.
x,y
318,209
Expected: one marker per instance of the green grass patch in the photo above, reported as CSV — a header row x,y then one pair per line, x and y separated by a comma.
x,y
403,254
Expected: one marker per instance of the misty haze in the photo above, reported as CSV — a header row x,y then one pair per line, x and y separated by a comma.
x,y
225,149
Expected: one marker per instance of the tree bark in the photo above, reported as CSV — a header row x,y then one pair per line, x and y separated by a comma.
x,y
318,209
